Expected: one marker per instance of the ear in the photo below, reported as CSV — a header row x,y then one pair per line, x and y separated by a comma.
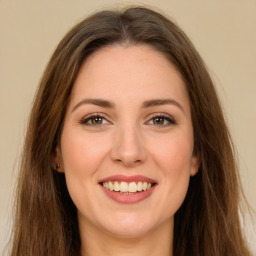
x,y
57,163
195,164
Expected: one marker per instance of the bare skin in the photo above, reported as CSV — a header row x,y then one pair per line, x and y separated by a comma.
x,y
129,115
105,244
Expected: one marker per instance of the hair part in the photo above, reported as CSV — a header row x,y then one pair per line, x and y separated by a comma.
x,y
207,222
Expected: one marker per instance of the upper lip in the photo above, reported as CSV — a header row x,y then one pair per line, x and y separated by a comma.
x,y
135,178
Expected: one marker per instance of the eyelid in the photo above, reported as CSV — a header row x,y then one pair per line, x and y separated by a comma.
x,y
86,118
167,117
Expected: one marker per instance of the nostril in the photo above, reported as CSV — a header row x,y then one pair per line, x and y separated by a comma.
x,y
128,150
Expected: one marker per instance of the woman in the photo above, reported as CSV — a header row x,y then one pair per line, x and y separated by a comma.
x,y
127,151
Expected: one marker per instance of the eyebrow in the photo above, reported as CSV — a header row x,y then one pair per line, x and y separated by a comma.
x,y
160,102
145,104
97,102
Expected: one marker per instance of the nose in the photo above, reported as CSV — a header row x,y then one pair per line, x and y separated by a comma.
x,y
128,148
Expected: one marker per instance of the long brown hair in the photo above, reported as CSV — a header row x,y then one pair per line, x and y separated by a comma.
x,y
207,222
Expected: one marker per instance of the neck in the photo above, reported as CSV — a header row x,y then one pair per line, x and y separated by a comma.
x,y
156,242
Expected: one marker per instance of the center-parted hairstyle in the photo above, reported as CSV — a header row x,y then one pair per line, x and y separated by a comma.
x,y
207,224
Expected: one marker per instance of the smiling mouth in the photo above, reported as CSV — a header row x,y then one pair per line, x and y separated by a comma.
x,y
127,187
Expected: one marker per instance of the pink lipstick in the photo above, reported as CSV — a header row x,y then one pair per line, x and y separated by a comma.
x,y
127,189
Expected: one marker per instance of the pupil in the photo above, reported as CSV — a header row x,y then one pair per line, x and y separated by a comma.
x,y
97,120
158,120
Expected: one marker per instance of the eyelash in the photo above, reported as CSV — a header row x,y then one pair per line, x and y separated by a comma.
x,y
85,120
169,119
164,117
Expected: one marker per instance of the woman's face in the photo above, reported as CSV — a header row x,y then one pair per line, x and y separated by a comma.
x,y
127,142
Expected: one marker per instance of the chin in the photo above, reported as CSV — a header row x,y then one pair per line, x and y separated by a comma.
x,y
131,226
129,232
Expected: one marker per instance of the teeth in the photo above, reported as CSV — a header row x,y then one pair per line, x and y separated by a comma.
x,y
116,186
106,185
132,187
126,187
139,186
110,185
144,186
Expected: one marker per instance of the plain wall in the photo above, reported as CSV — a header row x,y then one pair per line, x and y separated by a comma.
x,y
223,31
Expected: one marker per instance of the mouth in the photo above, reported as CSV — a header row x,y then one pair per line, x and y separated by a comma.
x,y
124,187
128,189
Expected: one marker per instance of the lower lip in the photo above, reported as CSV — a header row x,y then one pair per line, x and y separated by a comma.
x,y
128,198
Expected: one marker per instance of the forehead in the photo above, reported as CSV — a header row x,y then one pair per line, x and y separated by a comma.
x,y
116,72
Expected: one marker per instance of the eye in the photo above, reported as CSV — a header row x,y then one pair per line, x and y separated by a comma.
x,y
94,120
161,120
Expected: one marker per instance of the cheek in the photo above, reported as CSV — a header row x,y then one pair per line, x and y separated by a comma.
x,y
174,155
174,161
82,154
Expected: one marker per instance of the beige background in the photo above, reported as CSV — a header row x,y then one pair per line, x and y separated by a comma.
x,y
224,32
